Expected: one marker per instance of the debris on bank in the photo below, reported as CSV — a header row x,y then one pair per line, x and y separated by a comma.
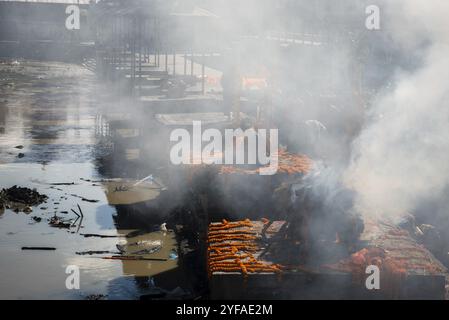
x,y
21,198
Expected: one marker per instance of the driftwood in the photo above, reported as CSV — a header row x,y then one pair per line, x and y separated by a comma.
x,y
80,217
84,199
81,211
63,184
136,258
91,235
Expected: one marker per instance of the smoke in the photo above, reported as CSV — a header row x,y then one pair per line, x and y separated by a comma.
x,y
308,51
401,156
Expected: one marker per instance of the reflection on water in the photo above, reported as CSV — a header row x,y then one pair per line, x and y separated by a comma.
x,y
129,191
151,268
48,141
48,109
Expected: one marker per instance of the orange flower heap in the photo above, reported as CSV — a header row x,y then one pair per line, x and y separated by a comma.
x,y
231,249
288,163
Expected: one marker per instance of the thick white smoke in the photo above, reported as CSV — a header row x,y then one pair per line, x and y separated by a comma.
x,y
402,155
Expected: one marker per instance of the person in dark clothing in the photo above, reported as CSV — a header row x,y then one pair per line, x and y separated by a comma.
x,y
231,82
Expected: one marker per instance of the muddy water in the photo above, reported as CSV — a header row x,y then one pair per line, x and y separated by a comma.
x,y
48,115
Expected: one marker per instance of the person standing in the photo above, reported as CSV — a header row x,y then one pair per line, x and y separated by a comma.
x,y
231,82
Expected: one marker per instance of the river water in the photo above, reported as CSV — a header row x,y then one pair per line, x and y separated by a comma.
x,y
49,136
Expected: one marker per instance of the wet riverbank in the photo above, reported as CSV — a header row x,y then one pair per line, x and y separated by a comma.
x,y
50,141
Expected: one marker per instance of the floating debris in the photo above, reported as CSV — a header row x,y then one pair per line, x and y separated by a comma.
x,y
58,222
91,235
143,247
54,183
18,198
91,252
22,195
39,248
173,255
84,199
63,184
28,209
136,258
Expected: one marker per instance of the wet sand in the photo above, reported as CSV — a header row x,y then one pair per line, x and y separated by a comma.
x,y
50,111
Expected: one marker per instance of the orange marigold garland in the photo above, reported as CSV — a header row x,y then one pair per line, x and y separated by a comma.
x,y
231,248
